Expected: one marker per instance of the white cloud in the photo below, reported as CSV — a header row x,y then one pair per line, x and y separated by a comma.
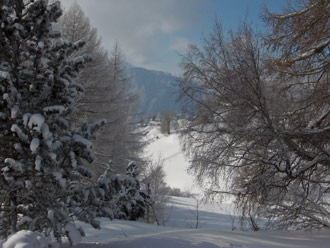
x,y
143,28
179,45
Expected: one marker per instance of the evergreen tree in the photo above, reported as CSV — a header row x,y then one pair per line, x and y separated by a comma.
x,y
122,193
42,174
41,160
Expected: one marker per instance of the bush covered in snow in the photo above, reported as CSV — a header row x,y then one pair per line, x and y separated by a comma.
x,y
26,239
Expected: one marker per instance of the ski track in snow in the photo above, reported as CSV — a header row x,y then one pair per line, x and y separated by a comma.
x,y
175,164
140,235
172,156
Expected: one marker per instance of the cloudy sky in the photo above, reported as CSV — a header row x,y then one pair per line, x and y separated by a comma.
x,y
153,33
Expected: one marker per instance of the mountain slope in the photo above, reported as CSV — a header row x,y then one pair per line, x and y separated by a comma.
x,y
157,90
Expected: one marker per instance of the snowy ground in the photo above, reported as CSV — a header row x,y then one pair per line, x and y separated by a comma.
x,y
214,222
126,234
183,213
215,232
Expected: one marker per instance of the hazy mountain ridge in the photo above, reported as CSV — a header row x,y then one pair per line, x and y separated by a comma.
x,y
158,92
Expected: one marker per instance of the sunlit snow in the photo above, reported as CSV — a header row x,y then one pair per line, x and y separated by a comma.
x,y
167,148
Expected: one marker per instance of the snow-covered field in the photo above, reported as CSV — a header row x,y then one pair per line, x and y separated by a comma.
x,y
167,148
127,234
183,213
214,232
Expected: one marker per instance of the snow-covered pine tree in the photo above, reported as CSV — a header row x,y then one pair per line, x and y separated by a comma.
x,y
122,194
133,200
40,159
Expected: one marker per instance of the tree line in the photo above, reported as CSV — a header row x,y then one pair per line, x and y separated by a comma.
x,y
108,94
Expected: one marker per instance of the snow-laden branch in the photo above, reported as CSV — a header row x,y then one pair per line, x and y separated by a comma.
x,y
316,49
296,13
310,164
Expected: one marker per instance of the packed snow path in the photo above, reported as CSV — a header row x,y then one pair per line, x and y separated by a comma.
x,y
126,234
